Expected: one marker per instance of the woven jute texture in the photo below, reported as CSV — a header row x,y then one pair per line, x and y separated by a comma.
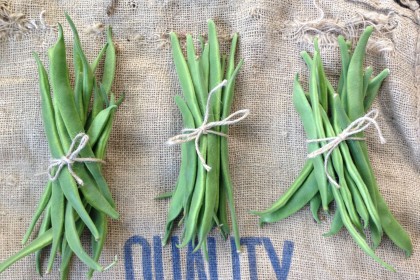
x,y
266,150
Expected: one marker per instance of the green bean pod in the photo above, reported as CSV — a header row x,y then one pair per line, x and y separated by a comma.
x,y
187,173
314,206
39,243
299,199
373,88
45,198
336,224
57,221
74,241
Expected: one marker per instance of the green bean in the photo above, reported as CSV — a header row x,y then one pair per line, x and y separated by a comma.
x,y
354,233
345,61
74,241
95,63
187,172
321,74
336,224
301,178
392,227
190,159
231,62
226,186
93,195
196,203
222,212
301,197
366,78
213,144
43,202
42,241
307,58
164,195
355,94
101,223
223,66
67,253
78,94
57,221
373,88
101,143
337,160
304,110
98,104
358,200
215,73
87,71
99,123
45,225
314,206
185,79
205,66
110,63
196,75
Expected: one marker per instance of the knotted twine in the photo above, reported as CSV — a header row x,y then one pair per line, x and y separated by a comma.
x,y
206,127
357,126
70,158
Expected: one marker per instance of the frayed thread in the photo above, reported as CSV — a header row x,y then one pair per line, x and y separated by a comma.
x,y
95,29
162,39
327,29
15,25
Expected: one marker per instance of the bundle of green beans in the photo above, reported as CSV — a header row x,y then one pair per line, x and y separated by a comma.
x,y
70,204
200,198
325,113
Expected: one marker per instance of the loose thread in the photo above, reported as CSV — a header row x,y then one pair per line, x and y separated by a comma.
x,y
206,127
70,158
357,126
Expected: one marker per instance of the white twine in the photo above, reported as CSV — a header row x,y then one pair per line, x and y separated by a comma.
x,y
206,127
71,158
357,126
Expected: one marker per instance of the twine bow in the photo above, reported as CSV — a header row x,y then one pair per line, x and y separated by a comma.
x,y
70,158
357,126
206,127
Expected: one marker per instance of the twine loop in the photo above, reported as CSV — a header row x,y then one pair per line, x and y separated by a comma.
x,y
357,126
70,158
189,134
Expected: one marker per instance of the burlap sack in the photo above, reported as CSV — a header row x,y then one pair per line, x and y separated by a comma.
x,y
266,150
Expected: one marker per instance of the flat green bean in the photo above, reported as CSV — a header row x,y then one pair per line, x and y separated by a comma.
x,y
74,241
302,197
314,206
373,88
336,224
42,241
355,94
57,221
305,112
43,202
110,63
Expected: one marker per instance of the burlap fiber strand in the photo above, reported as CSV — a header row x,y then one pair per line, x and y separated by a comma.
x,y
266,150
